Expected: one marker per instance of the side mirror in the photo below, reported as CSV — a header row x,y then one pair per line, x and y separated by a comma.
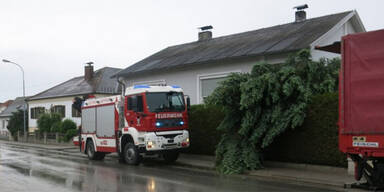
x,y
188,103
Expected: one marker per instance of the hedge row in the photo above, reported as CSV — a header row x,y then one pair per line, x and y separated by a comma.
x,y
203,121
315,142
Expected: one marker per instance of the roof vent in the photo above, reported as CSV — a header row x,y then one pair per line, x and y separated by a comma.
x,y
300,14
205,33
88,71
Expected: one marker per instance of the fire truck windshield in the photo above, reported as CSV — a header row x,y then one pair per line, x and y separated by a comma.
x,y
165,102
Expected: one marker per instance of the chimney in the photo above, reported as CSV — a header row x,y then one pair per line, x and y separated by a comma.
x,y
205,33
300,14
88,71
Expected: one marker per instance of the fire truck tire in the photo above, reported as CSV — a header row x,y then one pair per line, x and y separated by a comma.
x,y
91,150
170,157
92,155
131,154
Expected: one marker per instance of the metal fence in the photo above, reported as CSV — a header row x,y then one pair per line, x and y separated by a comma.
x,y
41,137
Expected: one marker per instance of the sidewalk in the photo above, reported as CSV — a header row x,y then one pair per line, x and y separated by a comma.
x,y
303,173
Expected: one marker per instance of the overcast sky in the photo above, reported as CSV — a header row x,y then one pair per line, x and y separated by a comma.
x,y
53,39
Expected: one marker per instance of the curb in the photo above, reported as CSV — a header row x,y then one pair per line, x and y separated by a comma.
x,y
298,179
47,147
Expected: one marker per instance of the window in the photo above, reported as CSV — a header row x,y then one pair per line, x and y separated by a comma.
x,y
36,112
207,83
168,101
3,124
60,109
75,113
135,103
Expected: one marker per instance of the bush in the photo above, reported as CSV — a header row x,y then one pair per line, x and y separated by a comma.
x,y
70,134
68,124
56,127
203,120
46,122
16,123
316,141
261,105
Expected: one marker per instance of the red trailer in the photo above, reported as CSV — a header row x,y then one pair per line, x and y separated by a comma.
x,y
361,103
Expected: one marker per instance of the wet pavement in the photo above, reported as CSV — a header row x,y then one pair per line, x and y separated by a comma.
x,y
31,169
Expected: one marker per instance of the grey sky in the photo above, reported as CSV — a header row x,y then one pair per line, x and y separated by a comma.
x,y
53,39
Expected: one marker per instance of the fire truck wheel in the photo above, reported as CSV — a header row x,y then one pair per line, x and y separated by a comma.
x,y
91,150
131,154
171,156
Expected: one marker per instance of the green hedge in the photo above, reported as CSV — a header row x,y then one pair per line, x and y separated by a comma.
x,y
316,141
203,121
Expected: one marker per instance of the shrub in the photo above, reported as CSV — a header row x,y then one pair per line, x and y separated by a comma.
x,y
46,122
316,141
203,120
68,124
263,104
70,134
56,127
16,122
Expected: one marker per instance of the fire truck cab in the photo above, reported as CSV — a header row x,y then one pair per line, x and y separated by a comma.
x,y
146,120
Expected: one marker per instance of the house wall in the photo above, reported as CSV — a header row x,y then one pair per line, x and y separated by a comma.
x,y
190,78
3,126
48,103
2,108
333,36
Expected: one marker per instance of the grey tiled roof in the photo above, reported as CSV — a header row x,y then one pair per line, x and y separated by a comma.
x,y
101,83
276,39
16,105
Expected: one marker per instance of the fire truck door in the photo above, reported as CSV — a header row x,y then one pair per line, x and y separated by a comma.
x,y
134,111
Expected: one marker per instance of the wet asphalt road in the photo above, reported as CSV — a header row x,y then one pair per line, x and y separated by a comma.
x,y
32,169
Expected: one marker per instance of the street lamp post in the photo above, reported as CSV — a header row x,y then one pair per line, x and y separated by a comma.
x,y
22,70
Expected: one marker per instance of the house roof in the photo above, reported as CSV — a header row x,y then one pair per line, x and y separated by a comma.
x,y
5,104
100,83
277,39
16,105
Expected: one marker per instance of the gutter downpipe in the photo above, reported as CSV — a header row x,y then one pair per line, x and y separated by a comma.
x,y
121,106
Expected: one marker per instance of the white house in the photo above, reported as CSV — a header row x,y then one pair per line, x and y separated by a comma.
x,y
5,115
59,98
198,66
4,105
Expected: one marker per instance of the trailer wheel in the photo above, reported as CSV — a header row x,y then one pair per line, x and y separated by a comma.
x,y
131,155
170,156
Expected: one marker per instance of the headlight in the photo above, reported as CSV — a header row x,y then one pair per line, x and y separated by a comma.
x,y
150,144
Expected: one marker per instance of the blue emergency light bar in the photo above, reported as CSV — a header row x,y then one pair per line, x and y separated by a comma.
x,y
140,86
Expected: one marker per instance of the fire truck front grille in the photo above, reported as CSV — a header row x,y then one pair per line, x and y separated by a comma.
x,y
163,123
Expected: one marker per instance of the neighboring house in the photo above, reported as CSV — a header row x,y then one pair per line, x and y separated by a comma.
x,y
6,114
59,98
198,66
4,105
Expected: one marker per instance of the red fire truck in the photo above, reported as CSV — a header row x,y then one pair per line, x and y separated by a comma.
x,y
145,121
361,103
